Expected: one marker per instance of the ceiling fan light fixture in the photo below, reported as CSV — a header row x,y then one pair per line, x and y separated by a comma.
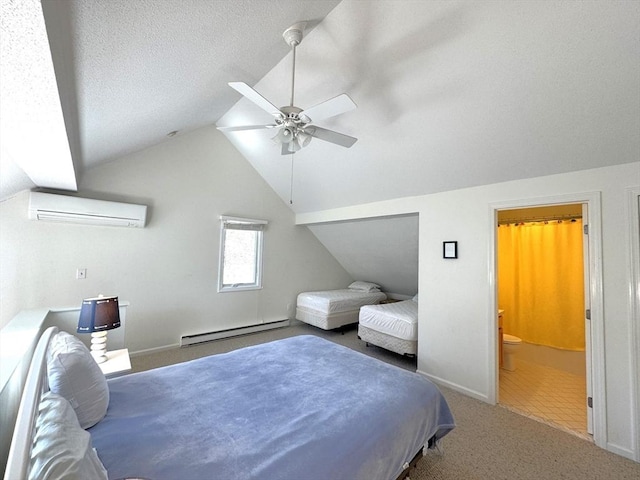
x,y
304,138
284,135
293,146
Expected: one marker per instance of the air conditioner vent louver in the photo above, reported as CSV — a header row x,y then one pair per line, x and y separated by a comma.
x,y
67,209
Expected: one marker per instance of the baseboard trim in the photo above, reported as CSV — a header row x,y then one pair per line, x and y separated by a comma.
x,y
147,351
454,386
188,340
622,451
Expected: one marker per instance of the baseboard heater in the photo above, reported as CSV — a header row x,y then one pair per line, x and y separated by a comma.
x,y
187,340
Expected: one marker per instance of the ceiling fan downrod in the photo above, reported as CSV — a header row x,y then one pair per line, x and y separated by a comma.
x,y
293,37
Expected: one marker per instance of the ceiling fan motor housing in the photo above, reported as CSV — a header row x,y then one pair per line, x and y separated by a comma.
x,y
292,115
292,122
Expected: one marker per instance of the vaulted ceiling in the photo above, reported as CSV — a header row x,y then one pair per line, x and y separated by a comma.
x,y
450,94
128,73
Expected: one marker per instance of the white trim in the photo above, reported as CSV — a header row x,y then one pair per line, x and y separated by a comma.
x,y
225,218
454,386
493,365
593,200
633,215
385,208
257,285
618,450
77,309
147,351
199,338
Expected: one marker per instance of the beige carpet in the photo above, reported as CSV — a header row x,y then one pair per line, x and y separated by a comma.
x,y
489,442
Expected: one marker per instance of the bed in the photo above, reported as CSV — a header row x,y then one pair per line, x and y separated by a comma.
x,y
302,407
333,309
393,326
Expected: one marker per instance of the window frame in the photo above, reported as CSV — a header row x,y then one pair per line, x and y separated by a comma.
x,y
228,223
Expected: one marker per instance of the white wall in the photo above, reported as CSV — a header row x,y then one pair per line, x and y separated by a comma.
x,y
455,334
168,270
380,250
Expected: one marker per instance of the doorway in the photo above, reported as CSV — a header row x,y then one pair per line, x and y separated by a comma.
x,y
542,276
593,292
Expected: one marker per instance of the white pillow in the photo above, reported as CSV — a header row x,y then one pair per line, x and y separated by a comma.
x,y
74,374
415,298
61,449
364,286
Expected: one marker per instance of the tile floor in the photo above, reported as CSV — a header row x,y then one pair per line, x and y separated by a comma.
x,y
552,396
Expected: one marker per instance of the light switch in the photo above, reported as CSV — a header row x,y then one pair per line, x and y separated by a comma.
x,y
81,273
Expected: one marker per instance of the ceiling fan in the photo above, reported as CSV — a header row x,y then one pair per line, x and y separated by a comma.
x,y
296,127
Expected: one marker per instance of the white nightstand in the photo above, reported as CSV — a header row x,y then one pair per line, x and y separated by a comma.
x,y
118,363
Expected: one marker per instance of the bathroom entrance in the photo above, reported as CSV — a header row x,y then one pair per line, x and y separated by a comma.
x,y
544,337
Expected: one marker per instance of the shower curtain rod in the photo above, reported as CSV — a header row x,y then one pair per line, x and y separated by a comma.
x,y
545,218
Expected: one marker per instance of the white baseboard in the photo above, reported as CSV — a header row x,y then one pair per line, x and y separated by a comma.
x,y
187,340
454,386
623,452
146,351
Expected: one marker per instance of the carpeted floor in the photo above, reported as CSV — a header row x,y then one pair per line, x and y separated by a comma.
x,y
488,441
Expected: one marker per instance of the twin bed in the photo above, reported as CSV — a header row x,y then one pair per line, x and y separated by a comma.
x,y
302,407
393,326
333,309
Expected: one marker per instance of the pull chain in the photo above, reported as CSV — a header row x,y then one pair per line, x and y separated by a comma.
x,y
291,185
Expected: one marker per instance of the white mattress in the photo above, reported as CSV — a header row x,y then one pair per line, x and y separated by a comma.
x,y
395,344
335,301
399,319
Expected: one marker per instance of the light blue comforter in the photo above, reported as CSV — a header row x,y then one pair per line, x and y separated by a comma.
x,y
293,409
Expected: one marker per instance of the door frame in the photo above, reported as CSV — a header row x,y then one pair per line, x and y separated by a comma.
x,y
593,201
633,215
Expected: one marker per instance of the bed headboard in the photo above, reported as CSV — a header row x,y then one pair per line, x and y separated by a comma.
x,y
36,384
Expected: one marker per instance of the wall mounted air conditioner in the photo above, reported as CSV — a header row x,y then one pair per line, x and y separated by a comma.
x,y
63,208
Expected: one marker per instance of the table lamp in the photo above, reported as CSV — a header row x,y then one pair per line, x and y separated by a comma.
x,y
98,315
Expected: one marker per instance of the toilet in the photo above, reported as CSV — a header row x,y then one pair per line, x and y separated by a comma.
x,y
510,345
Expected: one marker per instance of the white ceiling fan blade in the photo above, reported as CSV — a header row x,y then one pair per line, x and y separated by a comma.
x,y
245,127
330,108
255,97
331,136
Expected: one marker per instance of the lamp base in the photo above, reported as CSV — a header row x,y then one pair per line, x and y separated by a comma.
x,y
99,358
99,346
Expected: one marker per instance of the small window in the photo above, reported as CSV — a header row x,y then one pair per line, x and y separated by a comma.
x,y
241,241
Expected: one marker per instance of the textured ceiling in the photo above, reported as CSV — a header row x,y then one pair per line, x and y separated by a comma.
x,y
141,69
455,94
34,147
129,72
450,94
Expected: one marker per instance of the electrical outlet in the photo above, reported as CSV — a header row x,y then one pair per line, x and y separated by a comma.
x,y
81,273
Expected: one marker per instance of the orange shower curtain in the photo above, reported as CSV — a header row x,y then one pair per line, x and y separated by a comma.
x,y
540,282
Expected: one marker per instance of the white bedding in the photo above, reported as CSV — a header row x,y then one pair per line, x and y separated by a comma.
x,y
399,319
335,301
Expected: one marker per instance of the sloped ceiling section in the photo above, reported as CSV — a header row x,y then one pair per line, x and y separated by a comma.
x,y
34,148
453,94
127,73
381,250
142,69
